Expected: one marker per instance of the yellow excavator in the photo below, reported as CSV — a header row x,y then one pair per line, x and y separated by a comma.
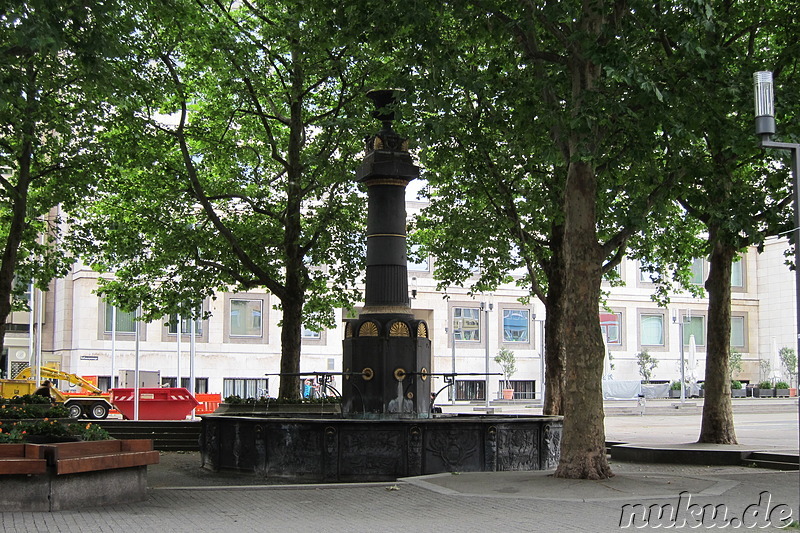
x,y
95,404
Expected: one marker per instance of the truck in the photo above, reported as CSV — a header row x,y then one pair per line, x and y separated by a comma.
x,y
94,404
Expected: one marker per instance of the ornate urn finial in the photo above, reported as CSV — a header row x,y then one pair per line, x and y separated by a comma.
x,y
386,139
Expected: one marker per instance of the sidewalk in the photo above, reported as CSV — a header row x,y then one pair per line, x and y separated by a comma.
x,y
183,497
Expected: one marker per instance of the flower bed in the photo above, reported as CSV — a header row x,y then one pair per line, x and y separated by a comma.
x,y
49,430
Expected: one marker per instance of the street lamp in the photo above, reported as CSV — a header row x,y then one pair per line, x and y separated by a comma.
x,y
486,307
685,318
765,128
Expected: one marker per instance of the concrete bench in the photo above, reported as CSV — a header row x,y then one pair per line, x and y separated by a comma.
x,y
74,475
75,457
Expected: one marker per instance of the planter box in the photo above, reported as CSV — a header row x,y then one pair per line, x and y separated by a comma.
x,y
763,393
781,393
676,393
44,477
738,393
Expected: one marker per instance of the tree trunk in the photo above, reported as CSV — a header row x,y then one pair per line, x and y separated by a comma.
x,y
583,447
16,229
717,424
293,299
553,325
291,330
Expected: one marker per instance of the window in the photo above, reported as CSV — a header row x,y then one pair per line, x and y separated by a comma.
x,y
416,262
125,320
694,325
310,334
467,324
697,277
468,390
186,325
245,387
523,390
515,325
610,325
245,318
652,330
737,331
737,273
647,272
200,384
104,383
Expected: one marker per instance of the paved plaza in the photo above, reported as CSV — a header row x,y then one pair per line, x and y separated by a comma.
x,y
183,497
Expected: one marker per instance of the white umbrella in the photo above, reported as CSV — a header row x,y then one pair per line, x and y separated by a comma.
x,y
775,361
606,360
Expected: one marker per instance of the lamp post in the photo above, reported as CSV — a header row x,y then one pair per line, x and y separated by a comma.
x,y
452,334
680,323
486,307
765,128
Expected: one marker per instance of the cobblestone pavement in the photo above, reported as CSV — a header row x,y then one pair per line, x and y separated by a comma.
x,y
507,501
182,497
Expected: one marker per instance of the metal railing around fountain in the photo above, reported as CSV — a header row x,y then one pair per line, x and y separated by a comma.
x,y
325,380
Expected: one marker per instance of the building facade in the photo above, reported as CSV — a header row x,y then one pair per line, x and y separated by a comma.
x,y
237,349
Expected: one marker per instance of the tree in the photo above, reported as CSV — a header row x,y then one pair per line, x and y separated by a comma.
x,y
508,364
788,357
728,188
540,127
250,182
54,88
646,363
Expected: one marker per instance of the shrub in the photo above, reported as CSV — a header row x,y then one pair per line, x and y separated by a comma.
x,y
676,385
26,399
781,385
765,385
736,384
238,400
12,410
18,431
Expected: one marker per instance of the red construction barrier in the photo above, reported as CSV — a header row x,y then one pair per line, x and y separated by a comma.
x,y
208,403
155,403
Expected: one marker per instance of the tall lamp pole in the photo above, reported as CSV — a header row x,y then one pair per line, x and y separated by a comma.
x,y
680,321
765,128
486,307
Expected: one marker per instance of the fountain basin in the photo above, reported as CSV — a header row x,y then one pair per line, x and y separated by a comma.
x,y
300,449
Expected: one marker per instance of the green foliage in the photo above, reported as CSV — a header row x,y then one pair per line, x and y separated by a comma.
x,y
675,385
734,363
19,431
781,385
736,384
27,399
233,167
56,82
765,385
788,358
263,400
14,409
764,368
646,363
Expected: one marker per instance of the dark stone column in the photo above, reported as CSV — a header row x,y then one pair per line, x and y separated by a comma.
x,y
387,352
